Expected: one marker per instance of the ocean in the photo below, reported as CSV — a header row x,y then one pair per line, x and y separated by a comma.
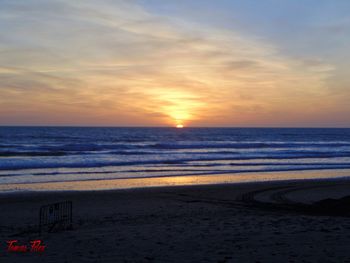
x,y
59,154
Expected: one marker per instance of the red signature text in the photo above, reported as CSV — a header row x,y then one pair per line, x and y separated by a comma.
x,y
35,246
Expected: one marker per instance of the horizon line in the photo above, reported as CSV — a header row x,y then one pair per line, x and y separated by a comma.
x,y
186,127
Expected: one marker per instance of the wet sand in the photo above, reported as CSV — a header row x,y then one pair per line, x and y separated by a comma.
x,y
294,221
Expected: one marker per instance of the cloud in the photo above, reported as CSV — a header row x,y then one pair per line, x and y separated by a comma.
x,y
121,65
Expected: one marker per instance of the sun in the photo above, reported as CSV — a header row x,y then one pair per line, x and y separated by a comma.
x,y
179,126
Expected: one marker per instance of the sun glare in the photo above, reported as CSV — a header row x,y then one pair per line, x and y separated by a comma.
x,y
179,126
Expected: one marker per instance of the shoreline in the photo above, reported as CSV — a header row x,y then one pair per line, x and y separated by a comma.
x,y
174,181
28,193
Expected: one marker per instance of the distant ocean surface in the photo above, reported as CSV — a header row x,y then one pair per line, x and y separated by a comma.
x,y
46,154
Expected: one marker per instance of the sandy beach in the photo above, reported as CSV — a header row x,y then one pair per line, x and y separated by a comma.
x,y
250,222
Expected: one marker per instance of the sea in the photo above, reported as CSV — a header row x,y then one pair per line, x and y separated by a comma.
x,y
60,154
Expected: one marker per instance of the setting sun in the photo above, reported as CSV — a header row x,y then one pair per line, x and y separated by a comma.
x,y
179,126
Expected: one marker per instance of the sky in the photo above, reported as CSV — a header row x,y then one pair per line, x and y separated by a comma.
x,y
200,63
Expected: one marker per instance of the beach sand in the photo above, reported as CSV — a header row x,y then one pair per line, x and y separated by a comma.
x,y
251,222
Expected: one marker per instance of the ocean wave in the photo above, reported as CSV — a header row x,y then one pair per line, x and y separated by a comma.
x,y
245,145
212,149
190,168
29,154
79,162
84,147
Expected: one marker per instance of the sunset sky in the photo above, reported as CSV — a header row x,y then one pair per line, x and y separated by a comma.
x,y
162,63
